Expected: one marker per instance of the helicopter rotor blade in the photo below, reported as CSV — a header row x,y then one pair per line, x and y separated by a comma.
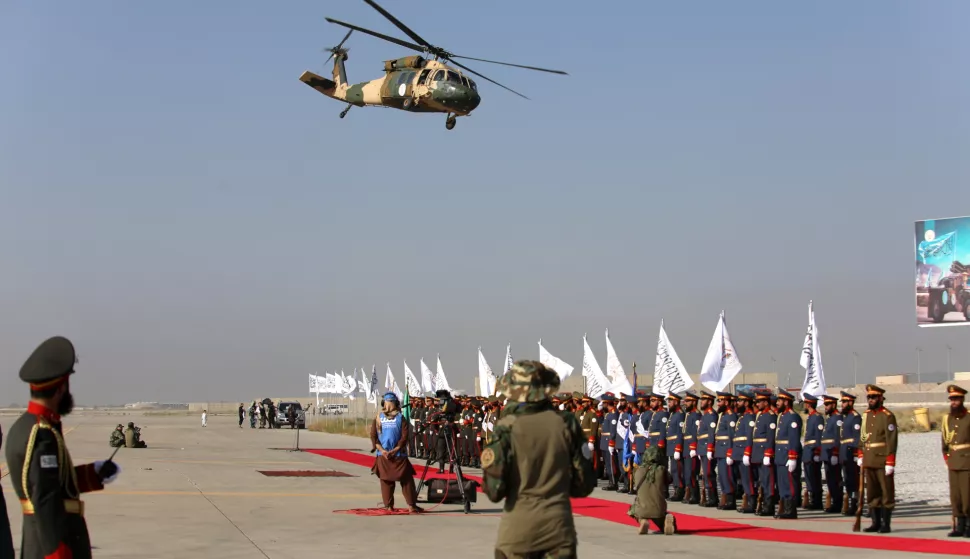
x,y
417,38
388,38
466,68
510,64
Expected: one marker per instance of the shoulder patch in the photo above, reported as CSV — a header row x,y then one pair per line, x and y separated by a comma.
x,y
772,426
839,422
488,457
48,461
794,425
751,424
891,427
732,424
857,427
594,420
663,419
820,427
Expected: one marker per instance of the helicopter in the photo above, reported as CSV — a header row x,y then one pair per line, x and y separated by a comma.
x,y
418,83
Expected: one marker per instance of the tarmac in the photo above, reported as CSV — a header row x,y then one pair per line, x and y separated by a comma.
x,y
198,492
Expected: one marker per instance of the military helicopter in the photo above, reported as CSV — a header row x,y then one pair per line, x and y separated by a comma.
x,y
414,83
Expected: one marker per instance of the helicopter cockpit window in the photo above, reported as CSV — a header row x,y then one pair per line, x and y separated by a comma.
x,y
439,76
471,83
464,81
454,78
424,76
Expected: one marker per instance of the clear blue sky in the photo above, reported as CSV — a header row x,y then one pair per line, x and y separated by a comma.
x,y
202,224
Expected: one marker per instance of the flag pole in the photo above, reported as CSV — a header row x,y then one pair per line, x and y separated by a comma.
x,y
634,380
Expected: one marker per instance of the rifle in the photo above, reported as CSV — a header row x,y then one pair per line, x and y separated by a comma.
x,y
862,487
805,501
760,503
828,500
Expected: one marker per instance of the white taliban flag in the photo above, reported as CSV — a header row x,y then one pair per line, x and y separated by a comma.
x,y
372,386
362,385
614,370
351,385
411,381
812,359
508,359
440,380
556,364
331,383
314,387
721,364
392,384
596,382
669,374
486,378
427,378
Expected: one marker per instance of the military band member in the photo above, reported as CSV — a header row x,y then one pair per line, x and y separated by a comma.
x,y
877,458
723,434
6,540
741,451
850,438
705,450
42,473
607,442
763,451
831,441
812,455
788,447
956,454
692,466
675,444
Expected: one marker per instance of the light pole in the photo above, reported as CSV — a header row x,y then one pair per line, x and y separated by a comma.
x,y
949,371
855,368
919,371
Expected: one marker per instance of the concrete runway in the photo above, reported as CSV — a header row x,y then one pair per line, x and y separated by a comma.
x,y
197,492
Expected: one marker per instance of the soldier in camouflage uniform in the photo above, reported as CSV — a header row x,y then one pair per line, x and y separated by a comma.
x,y
536,464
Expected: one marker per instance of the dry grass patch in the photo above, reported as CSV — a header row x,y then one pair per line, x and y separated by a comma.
x,y
348,426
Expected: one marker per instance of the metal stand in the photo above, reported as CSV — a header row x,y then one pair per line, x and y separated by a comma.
x,y
453,464
297,447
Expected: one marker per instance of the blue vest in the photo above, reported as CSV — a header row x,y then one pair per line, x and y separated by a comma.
x,y
390,433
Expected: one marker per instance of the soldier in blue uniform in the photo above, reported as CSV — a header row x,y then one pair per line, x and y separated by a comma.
x,y
763,451
675,444
788,447
812,455
849,439
620,436
723,433
643,424
705,449
831,441
607,448
691,466
741,452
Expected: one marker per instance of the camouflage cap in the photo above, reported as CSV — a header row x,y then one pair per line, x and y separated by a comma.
x,y
529,381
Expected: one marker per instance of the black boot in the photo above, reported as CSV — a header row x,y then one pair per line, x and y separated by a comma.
x,y
960,528
695,495
816,503
835,507
679,494
887,515
876,522
768,507
791,511
853,506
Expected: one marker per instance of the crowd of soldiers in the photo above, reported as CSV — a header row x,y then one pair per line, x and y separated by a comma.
x,y
472,427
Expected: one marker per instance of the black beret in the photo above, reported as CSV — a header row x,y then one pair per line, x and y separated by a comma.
x,y
53,359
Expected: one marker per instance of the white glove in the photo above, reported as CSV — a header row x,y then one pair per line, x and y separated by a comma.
x,y
766,461
612,450
590,446
478,439
562,407
816,458
858,462
693,454
107,480
835,460
489,425
676,455
730,462
710,455
791,465
746,460
890,470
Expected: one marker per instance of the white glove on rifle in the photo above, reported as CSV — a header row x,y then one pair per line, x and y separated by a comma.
x,y
791,465
590,445
746,460
835,460
612,450
478,439
890,470
858,462
730,462
676,455
693,454
817,458
766,461
710,455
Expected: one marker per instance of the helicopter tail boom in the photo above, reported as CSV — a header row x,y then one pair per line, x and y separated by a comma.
x,y
321,84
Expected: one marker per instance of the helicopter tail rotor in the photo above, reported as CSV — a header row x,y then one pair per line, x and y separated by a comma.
x,y
334,51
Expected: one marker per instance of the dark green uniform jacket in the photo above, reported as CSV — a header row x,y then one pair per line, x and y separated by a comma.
x,y
49,487
6,541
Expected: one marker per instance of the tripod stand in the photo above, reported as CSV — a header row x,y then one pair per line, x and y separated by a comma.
x,y
446,433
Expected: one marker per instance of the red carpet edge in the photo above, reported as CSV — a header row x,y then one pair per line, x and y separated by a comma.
x,y
613,511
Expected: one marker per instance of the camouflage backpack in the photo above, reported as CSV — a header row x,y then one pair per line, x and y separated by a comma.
x,y
498,460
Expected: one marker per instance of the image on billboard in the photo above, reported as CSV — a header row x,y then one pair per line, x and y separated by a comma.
x,y
942,270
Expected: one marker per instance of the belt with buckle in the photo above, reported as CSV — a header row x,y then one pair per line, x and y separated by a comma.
x,y
828,441
875,445
71,506
723,438
848,441
759,440
813,441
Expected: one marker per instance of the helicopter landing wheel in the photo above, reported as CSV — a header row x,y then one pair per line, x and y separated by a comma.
x,y
343,113
451,122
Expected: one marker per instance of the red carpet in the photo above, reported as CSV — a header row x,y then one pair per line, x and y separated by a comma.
x,y
614,511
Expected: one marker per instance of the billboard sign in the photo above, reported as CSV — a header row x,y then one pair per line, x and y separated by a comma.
x,y
942,272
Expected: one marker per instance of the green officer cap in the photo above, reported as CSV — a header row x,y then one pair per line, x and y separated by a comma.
x,y
529,381
49,363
